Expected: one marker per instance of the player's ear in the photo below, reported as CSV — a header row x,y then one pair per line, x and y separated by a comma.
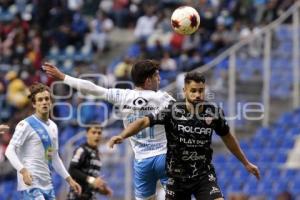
x,y
33,104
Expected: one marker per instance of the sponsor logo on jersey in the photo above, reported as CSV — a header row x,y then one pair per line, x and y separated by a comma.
x,y
140,101
147,108
198,130
193,156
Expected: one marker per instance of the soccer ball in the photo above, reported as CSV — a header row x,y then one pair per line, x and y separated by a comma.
x,y
185,20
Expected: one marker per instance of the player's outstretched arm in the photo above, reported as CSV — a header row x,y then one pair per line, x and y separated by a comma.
x,y
234,147
83,86
3,128
132,129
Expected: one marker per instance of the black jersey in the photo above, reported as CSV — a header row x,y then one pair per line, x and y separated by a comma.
x,y
189,138
85,162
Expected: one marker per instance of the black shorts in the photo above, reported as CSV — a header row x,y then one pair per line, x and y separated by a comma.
x,y
206,187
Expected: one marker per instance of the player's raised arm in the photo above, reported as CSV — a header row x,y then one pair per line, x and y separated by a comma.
x,y
132,129
84,86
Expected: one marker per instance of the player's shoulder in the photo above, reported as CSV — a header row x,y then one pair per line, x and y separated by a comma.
x,y
165,95
23,124
52,123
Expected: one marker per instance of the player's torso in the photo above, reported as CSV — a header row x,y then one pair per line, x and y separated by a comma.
x,y
91,165
136,104
32,154
189,139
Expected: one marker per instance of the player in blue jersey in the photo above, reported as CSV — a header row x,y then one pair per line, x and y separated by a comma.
x,y
149,145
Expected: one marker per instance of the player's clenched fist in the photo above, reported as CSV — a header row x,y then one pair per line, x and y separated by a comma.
x,y
115,140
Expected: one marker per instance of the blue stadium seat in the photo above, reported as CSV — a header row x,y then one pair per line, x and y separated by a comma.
x,y
279,185
287,143
219,159
294,131
288,174
250,187
280,157
265,186
294,187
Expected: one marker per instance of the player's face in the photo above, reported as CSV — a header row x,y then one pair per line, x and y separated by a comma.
x,y
94,136
43,103
194,92
154,81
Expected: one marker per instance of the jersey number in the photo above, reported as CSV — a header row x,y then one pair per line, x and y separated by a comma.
x,y
145,133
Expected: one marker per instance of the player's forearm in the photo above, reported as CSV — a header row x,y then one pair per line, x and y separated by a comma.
x,y
74,172
59,166
11,155
86,86
135,127
234,147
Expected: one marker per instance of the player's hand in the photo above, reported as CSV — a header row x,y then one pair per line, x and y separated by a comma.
x,y
105,190
74,185
53,71
27,177
3,128
98,183
253,169
115,140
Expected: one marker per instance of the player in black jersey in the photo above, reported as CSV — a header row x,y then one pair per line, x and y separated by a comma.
x,y
85,167
189,126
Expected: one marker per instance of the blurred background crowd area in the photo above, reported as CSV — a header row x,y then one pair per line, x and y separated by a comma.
x,y
107,37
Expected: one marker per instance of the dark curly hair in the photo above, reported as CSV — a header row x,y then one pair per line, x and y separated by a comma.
x,y
142,70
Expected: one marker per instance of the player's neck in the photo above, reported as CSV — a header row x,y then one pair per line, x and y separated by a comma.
x,y
43,117
191,107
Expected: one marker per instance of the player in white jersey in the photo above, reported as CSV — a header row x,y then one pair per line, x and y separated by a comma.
x,y
149,146
33,149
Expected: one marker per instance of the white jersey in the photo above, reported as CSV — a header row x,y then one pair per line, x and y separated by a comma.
x,y
31,153
132,105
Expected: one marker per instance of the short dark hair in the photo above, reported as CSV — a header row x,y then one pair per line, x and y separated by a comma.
x,y
37,88
194,76
142,70
92,125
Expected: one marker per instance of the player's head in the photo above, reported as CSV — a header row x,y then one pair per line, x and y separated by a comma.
x,y
145,74
194,87
40,97
93,134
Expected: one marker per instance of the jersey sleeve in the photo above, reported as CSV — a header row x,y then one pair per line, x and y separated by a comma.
x,y
78,157
86,87
162,117
77,160
20,134
221,127
166,100
55,142
116,96
18,139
